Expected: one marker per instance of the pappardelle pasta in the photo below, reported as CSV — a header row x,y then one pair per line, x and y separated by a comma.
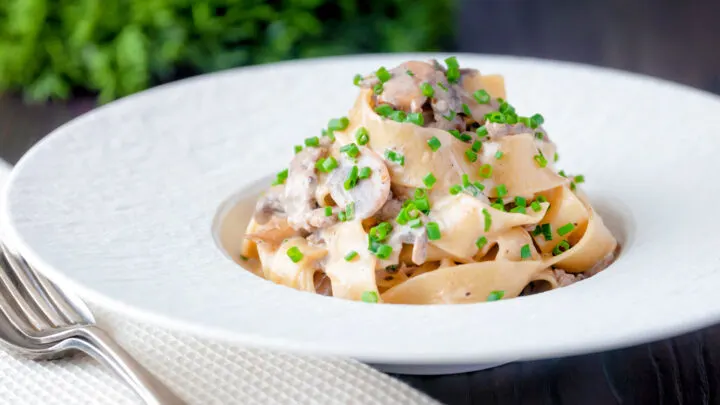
x,y
433,190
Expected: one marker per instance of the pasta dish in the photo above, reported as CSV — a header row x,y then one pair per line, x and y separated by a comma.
x,y
432,190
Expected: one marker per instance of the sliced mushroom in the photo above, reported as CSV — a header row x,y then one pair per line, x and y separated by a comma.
x,y
415,236
299,198
498,130
403,91
368,195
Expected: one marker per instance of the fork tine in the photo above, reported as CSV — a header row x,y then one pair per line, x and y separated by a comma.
x,y
33,304
62,303
14,296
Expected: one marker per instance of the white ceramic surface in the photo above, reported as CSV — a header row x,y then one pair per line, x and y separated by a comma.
x,y
119,203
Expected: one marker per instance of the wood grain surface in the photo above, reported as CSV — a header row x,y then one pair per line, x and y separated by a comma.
x,y
674,39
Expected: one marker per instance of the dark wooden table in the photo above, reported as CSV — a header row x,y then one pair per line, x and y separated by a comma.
x,y
674,39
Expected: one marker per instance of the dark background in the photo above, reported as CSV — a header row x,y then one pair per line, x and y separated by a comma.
x,y
673,39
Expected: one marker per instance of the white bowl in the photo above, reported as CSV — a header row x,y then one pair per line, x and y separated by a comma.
x,y
120,203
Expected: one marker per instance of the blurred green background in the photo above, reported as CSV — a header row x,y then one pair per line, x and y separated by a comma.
x,y
57,49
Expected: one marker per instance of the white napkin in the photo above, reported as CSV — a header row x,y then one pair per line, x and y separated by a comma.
x,y
200,370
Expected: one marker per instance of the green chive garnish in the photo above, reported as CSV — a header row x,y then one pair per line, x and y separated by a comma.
x,y
540,160
465,180
471,156
415,223
409,73
384,251
395,157
398,116
329,164
546,231
541,198
384,110
518,210
539,135
352,179
357,79
450,116
328,211
442,86
370,297
362,136
560,248
341,216
476,146
488,219
501,190
365,173
294,254
280,177
535,206
556,157
312,141
562,173
496,117
433,230
382,74
481,131
415,118
351,255
579,179
485,171
481,96
498,206
479,185
297,149
521,201
536,120
434,143
499,154
350,149
456,189
427,90
350,211
495,295
481,242
429,180
378,89
566,229
466,110
380,231
452,62
338,124
525,252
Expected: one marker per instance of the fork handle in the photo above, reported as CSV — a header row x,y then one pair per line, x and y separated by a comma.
x,y
103,348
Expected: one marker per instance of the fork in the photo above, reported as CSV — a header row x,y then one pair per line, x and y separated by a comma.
x,y
41,321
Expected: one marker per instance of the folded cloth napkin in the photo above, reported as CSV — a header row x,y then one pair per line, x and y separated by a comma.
x,y
198,369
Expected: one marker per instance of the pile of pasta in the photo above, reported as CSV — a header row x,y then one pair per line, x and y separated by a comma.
x,y
431,222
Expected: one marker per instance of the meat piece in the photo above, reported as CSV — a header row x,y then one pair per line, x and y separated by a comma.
x,y
564,279
270,204
390,210
299,199
368,195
